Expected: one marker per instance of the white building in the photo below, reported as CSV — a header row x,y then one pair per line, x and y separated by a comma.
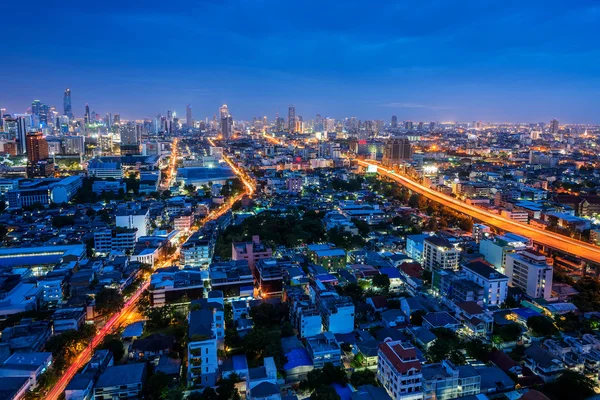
x,y
139,219
63,191
529,271
495,285
495,250
206,329
399,370
439,253
117,239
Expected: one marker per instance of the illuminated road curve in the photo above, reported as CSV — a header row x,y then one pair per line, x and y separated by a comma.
x,y
546,238
117,319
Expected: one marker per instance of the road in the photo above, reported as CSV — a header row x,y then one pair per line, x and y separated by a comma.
x,y
559,242
130,305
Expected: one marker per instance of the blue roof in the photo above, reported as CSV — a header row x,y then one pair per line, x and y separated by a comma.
x,y
526,313
390,272
326,277
239,362
344,392
134,330
297,357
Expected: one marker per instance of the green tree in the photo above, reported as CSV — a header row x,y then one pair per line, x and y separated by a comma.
x,y
541,326
570,385
157,386
365,377
109,301
115,346
382,281
324,393
416,318
478,350
508,333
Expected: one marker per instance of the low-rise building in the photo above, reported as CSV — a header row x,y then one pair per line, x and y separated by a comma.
x,y
121,381
323,349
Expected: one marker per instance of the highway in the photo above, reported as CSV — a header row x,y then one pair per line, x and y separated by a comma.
x,y
130,305
559,242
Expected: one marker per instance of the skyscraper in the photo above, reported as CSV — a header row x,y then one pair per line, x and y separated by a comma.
x,y
188,115
22,134
87,114
226,122
291,119
68,110
554,126
394,121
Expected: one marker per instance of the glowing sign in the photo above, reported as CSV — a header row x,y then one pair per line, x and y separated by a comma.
x,y
372,169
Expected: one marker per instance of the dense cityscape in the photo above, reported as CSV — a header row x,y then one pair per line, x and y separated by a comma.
x,y
291,257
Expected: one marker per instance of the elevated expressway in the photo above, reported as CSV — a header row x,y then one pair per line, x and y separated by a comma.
x,y
553,240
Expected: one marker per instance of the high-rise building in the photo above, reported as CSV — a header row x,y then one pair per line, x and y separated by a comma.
x,y
131,138
226,122
554,128
396,150
68,109
291,119
188,116
530,271
22,134
87,114
409,125
394,121
38,164
117,119
36,147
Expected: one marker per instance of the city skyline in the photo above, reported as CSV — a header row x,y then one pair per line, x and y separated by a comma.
x,y
442,61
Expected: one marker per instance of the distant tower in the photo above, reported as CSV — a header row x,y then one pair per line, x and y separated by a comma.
x,y
291,119
188,115
22,134
87,114
554,126
394,121
68,109
226,122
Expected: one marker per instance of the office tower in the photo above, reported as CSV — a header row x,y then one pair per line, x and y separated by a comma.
x,y
108,120
117,119
431,126
408,125
188,116
394,121
87,114
420,126
68,110
291,119
396,150
554,126
22,134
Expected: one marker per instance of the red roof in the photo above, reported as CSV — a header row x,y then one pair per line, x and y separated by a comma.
x,y
403,359
414,269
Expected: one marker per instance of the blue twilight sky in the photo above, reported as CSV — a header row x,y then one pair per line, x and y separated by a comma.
x,y
420,60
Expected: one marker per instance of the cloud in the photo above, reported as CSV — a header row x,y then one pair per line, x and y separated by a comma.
x,y
413,105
